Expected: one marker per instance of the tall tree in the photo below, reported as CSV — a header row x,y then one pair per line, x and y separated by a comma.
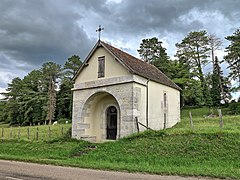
x,y
35,99
26,99
195,48
216,83
152,51
13,96
52,72
64,95
233,57
215,43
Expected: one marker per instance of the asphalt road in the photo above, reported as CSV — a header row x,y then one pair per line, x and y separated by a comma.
x,y
12,170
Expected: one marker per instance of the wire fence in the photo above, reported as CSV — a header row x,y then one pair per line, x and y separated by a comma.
x,y
37,133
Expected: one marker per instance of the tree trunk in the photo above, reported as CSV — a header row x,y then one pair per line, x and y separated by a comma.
x,y
51,101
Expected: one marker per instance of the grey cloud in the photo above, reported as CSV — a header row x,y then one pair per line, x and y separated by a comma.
x,y
33,32
36,31
132,17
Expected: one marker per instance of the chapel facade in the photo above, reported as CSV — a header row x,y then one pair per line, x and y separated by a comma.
x,y
114,90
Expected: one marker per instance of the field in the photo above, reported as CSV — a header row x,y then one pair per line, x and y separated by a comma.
x,y
204,124
30,133
206,150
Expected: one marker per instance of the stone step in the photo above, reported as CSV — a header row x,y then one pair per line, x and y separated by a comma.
x,y
89,138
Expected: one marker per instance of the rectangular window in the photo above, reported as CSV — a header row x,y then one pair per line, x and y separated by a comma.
x,y
165,121
101,66
165,100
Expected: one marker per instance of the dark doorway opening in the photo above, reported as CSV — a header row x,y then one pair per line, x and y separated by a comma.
x,y
111,122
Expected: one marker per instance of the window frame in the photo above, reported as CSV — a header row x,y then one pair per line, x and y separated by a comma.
x,y
101,66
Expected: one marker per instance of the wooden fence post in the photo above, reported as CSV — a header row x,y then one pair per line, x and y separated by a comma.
x,y
137,124
49,132
37,134
62,130
11,132
19,133
191,121
2,133
220,118
28,132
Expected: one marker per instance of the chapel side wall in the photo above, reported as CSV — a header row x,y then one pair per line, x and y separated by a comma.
x,y
140,108
157,109
112,67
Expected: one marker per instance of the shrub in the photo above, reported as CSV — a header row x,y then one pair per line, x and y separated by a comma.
x,y
63,121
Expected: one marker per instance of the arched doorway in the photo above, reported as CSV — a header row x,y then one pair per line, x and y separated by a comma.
x,y
111,122
93,121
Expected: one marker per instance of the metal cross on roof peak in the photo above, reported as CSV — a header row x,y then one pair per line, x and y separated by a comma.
x,y
99,31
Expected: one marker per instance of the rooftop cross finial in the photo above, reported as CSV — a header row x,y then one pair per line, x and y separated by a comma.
x,y
99,31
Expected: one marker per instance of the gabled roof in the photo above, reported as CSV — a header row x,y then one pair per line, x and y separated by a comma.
x,y
132,64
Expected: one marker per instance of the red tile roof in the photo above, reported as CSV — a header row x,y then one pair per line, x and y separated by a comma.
x,y
139,67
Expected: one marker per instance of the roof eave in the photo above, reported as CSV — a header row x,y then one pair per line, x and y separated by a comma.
x,y
119,60
86,59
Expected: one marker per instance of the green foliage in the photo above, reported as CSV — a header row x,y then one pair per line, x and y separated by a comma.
x,y
151,51
233,57
193,51
64,120
234,108
64,95
64,99
33,99
216,83
191,88
72,65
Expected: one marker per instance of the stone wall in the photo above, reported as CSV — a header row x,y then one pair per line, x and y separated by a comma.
x,y
124,96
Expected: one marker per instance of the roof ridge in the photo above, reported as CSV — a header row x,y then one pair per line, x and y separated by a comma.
x,y
155,76
125,52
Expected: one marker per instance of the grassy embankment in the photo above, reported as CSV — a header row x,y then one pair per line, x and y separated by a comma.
x,y
205,151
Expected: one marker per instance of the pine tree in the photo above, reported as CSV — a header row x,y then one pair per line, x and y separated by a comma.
x,y
72,65
215,43
52,72
191,93
194,48
152,51
216,83
64,95
233,58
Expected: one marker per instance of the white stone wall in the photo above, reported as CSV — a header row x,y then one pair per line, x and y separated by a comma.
x,y
157,109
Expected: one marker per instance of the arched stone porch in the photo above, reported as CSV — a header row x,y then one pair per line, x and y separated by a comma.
x,y
90,112
93,116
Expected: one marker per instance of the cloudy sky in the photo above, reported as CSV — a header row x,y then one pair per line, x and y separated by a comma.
x,y
35,31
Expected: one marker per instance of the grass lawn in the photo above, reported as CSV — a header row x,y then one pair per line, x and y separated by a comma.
x,y
205,151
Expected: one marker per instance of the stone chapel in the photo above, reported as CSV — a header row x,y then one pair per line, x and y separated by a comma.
x,y
112,88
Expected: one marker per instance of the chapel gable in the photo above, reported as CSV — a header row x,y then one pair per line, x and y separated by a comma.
x,y
101,64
